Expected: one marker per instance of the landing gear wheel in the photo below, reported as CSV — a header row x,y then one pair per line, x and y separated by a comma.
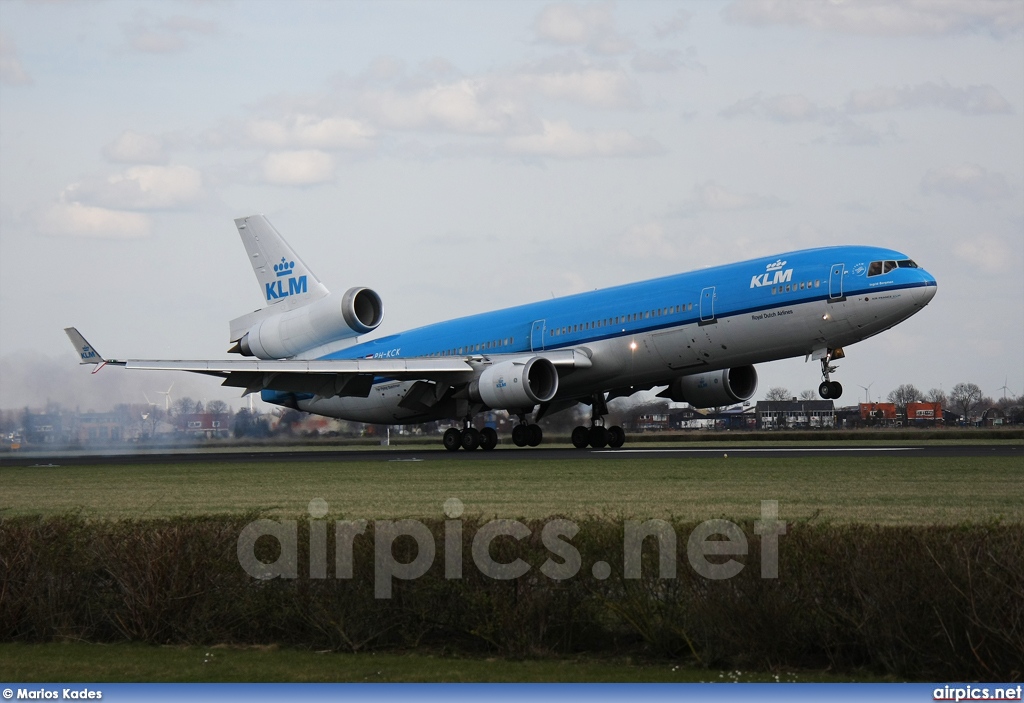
x,y
452,439
825,389
836,389
470,439
534,435
580,437
488,439
519,436
616,437
598,436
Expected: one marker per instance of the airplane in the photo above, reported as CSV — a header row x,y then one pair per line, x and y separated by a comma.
x,y
697,335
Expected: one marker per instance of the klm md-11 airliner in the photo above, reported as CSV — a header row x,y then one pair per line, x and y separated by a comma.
x,y
696,334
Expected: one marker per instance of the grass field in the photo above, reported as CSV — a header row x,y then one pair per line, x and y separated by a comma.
x,y
884,489
128,663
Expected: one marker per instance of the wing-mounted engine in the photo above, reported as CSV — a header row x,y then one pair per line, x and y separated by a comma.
x,y
714,388
516,384
330,319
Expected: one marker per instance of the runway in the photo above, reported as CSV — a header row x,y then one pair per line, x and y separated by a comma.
x,y
627,453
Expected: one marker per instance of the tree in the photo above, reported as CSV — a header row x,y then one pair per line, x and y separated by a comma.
x,y
217,407
903,395
937,395
778,393
183,406
808,395
965,397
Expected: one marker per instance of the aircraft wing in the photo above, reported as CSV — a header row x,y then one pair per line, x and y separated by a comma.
x,y
323,377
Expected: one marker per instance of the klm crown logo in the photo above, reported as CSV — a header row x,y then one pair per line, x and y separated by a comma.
x,y
770,267
296,284
88,353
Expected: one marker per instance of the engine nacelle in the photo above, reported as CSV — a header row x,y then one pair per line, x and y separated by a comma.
x,y
714,388
516,384
333,317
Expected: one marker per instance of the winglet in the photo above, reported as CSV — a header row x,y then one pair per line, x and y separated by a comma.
x,y
85,350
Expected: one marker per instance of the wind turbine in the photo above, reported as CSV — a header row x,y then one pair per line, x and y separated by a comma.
x,y
167,397
1004,387
867,392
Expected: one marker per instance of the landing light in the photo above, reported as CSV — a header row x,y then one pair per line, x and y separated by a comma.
x,y
825,316
632,345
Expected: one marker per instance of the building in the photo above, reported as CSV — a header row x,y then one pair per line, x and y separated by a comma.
x,y
795,414
879,414
924,413
205,424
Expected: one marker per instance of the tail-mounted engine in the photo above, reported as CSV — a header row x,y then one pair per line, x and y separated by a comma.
x,y
714,388
329,319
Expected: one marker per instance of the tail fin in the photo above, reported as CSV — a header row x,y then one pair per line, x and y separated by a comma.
x,y
86,352
283,277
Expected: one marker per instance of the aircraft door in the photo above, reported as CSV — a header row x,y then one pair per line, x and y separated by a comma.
x,y
707,304
537,335
835,282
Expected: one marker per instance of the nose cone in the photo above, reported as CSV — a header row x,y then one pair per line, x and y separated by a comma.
x,y
923,294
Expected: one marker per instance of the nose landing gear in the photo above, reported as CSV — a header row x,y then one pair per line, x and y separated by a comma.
x,y
829,389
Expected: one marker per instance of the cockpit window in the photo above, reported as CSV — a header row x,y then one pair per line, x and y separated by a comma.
x,y
907,264
889,266
875,268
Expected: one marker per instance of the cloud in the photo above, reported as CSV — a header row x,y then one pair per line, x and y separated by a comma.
x,y
970,100
12,72
78,220
665,61
711,196
298,168
582,84
884,17
464,107
560,140
779,108
646,241
134,148
149,35
966,181
985,252
676,24
304,131
588,26
141,188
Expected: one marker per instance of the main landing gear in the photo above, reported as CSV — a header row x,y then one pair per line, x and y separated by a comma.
x,y
470,438
597,435
829,389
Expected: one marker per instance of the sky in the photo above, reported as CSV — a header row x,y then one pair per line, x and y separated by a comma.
x,y
458,157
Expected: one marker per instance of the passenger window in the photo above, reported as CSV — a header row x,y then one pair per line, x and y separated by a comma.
x,y
875,268
817,283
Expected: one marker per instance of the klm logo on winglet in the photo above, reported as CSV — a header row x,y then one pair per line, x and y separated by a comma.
x,y
296,284
87,353
773,275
